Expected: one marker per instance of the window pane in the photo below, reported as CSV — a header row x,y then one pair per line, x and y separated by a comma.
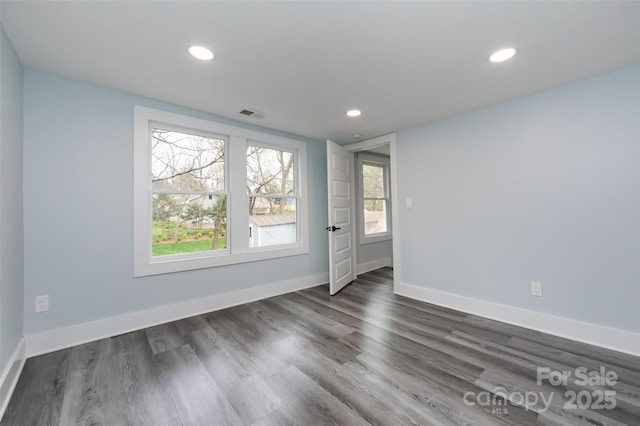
x,y
185,223
184,162
372,181
375,216
269,171
272,221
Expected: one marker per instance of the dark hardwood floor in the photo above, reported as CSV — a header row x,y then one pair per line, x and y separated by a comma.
x,y
364,356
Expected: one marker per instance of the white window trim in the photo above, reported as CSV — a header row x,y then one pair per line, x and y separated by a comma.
x,y
364,158
238,250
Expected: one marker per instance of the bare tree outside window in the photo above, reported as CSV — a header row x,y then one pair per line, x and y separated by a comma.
x,y
188,185
272,201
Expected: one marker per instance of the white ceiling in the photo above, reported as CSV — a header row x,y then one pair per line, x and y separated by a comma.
x,y
304,64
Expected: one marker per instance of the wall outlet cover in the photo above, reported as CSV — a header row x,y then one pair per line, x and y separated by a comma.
x,y
536,289
42,303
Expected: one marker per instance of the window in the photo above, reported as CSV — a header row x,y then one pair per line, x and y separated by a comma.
x,y
373,182
272,201
187,186
208,194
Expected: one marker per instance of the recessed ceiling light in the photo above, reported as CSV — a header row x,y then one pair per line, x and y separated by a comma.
x,y
357,135
201,52
354,113
502,55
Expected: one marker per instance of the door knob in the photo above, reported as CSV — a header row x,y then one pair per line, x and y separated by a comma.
x,y
332,228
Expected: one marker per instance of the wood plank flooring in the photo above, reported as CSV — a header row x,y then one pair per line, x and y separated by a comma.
x,y
362,357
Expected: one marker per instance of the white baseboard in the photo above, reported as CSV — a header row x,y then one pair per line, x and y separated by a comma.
x,y
372,265
60,338
10,375
606,337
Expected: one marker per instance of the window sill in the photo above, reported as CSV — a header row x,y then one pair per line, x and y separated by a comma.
x,y
164,265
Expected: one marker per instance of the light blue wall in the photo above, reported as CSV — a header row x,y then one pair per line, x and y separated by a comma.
x,y
374,251
11,241
544,188
78,213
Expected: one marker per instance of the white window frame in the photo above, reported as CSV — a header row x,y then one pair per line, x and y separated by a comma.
x,y
379,161
236,141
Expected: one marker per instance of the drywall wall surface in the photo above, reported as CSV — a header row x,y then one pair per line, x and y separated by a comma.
x,y
544,188
11,235
78,148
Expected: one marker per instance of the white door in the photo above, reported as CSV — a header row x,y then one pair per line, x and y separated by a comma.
x,y
341,229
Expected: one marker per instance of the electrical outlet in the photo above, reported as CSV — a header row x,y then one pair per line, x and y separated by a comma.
x,y
42,303
408,203
536,289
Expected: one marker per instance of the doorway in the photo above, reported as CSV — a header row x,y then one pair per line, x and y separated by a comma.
x,y
371,204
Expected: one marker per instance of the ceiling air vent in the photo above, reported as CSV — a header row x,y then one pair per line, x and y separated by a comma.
x,y
252,113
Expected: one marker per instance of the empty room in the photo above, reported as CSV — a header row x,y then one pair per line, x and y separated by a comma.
x,y
309,212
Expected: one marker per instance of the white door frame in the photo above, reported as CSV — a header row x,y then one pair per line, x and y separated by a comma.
x,y
395,225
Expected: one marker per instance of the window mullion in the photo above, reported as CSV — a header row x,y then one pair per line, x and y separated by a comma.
x,y
238,199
